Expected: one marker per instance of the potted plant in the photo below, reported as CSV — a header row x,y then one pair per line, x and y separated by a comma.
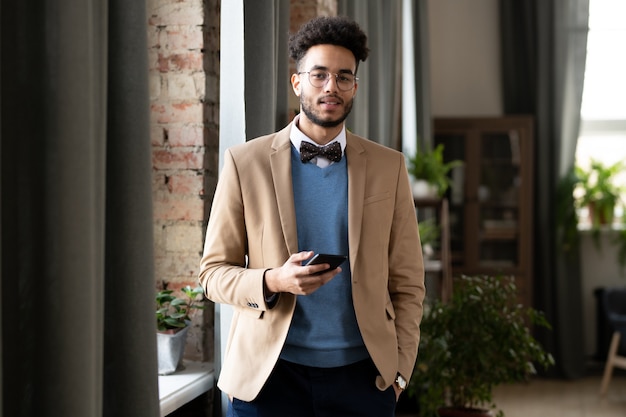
x,y
598,191
430,172
429,236
595,189
173,320
479,339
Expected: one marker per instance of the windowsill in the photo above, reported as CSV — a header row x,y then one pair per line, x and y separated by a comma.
x,y
179,388
586,228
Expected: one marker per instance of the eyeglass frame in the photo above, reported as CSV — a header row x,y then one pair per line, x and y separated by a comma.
x,y
328,74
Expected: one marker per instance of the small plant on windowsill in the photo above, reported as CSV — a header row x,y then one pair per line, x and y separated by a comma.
x,y
597,192
173,313
173,317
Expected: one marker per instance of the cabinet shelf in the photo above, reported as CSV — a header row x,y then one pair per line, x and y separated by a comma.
x,y
499,204
441,264
432,265
499,235
499,161
497,264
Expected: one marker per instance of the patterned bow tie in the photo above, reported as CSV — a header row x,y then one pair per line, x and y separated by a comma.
x,y
309,151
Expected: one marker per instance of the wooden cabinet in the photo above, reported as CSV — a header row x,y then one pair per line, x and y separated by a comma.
x,y
491,200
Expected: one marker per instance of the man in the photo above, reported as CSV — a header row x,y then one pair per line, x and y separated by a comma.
x,y
307,341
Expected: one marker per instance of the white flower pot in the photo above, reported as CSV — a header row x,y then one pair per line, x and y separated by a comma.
x,y
424,189
170,350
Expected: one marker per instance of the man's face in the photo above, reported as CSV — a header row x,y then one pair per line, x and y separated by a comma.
x,y
328,105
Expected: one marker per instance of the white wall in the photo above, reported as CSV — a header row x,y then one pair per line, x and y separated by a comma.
x,y
465,58
599,268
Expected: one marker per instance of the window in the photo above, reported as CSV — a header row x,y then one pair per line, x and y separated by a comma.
x,y
603,112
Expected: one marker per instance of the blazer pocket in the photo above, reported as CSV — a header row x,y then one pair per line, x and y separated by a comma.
x,y
391,312
250,313
376,197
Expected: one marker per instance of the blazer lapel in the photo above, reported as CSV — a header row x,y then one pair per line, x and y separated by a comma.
x,y
280,163
357,165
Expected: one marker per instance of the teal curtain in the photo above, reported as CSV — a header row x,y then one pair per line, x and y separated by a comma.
x,y
76,257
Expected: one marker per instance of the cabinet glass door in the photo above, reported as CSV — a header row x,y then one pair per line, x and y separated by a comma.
x,y
498,196
455,149
491,198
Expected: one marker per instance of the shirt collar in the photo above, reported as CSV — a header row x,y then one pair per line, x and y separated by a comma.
x,y
297,137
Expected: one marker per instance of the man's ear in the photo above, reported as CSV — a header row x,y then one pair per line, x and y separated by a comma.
x,y
296,84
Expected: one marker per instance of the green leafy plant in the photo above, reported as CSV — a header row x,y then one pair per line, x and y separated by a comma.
x,y
173,313
429,236
597,190
429,232
479,339
430,166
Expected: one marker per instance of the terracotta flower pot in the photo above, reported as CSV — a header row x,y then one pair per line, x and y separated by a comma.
x,y
600,217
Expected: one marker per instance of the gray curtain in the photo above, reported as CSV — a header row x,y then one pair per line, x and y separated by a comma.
x,y
77,271
377,113
543,50
421,55
267,66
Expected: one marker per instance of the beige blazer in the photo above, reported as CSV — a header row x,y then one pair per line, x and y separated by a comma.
x,y
252,227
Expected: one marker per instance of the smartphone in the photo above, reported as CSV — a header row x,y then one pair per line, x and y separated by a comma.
x,y
323,258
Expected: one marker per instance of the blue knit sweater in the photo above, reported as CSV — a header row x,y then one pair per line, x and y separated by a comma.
x,y
324,330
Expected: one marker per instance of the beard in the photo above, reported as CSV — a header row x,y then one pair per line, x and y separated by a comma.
x,y
316,118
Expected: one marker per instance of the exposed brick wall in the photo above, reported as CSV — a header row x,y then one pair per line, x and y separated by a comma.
x,y
184,97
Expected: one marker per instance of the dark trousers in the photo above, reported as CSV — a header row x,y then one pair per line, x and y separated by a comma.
x,y
294,390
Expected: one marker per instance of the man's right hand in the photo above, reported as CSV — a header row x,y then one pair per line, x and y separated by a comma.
x,y
294,278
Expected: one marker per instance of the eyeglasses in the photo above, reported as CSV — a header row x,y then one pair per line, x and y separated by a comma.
x,y
319,78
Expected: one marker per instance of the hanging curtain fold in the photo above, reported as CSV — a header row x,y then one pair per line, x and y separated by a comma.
x,y
543,62
377,110
421,56
76,254
266,66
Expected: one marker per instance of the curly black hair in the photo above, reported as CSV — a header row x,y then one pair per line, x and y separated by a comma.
x,y
331,30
